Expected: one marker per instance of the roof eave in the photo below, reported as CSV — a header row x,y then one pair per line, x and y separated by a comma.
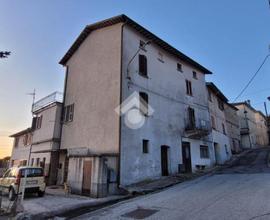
x,y
136,26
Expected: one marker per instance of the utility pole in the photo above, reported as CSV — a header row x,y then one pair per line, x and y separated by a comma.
x,y
246,120
265,107
33,94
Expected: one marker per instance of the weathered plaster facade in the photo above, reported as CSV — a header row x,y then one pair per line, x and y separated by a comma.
x,y
97,144
233,127
166,91
21,147
253,124
42,147
93,86
221,142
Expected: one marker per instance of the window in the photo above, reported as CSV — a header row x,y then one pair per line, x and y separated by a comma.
x,y
32,162
32,172
69,113
145,146
38,122
16,142
25,139
191,118
194,74
42,164
144,102
223,128
209,95
37,163
213,122
29,139
220,104
204,152
188,88
23,162
179,67
142,65
226,149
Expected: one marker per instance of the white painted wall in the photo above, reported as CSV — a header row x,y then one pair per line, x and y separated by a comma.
x,y
218,134
166,91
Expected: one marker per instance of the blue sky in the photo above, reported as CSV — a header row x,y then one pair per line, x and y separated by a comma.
x,y
231,38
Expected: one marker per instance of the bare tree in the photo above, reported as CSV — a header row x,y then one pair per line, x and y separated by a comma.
x,y
4,54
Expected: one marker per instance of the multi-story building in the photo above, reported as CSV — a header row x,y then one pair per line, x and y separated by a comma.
x,y
220,139
21,147
253,124
117,62
39,145
233,127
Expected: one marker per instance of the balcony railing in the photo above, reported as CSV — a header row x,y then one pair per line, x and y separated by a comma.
x,y
52,98
197,130
244,131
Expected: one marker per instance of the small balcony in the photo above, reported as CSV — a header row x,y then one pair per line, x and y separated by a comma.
x,y
198,129
244,131
52,98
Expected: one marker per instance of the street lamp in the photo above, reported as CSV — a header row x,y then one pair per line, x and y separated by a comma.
x,y
141,47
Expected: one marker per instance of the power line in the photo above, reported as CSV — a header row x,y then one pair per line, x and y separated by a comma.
x,y
252,78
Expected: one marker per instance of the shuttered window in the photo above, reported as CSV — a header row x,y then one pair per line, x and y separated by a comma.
x,y
188,88
68,113
204,152
142,65
144,102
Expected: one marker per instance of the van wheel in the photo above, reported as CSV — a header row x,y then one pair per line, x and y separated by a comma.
x,y
11,194
41,193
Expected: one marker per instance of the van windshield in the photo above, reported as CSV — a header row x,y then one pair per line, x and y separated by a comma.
x,y
32,172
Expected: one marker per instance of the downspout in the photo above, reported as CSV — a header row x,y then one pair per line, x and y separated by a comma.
x,y
63,105
62,115
120,101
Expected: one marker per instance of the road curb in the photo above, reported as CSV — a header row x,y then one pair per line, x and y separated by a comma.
x,y
71,209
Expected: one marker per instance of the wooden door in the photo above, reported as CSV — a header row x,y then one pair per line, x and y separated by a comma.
x,y
87,171
186,157
164,161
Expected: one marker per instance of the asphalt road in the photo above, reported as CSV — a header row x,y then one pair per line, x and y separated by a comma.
x,y
241,191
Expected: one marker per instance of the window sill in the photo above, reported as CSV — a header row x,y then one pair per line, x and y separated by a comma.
x,y
160,60
144,76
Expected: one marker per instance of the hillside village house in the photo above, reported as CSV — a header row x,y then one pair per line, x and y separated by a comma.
x,y
221,142
109,61
233,127
253,125
21,147
39,145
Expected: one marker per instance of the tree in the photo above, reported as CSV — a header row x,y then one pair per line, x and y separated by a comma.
x,y
4,54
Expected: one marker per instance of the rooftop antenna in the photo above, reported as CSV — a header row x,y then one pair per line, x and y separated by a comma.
x,y
33,94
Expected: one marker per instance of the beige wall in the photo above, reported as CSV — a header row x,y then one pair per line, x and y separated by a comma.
x,y
233,127
261,133
20,152
257,128
50,127
93,85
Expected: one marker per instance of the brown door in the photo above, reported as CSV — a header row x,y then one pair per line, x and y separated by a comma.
x,y
87,170
186,156
164,160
